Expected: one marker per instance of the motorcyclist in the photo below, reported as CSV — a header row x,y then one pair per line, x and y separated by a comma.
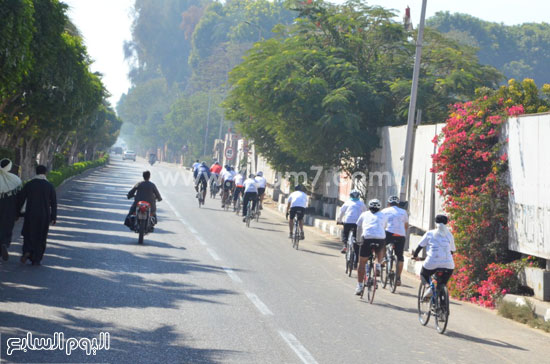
x,y
145,191
152,158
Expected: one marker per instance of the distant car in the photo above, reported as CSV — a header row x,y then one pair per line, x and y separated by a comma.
x,y
117,150
129,154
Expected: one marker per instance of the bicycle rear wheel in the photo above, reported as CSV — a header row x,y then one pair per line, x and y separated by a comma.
x,y
392,273
385,273
442,311
423,306
296,236
365,279
371,286
349,262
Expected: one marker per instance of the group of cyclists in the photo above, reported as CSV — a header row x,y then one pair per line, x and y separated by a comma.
x,y
374,227
234,185
370,225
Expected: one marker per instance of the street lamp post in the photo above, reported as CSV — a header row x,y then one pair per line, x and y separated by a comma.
x,y
412,108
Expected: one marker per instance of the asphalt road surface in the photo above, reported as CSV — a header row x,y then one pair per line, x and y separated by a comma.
x,y
204,288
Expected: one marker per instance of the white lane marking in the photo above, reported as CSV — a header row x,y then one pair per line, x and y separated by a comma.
x,y
213,254
201,240
232,275
192,230
297,347
264,310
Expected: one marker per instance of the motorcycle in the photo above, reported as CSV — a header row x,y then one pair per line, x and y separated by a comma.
x,y
152,159
143,221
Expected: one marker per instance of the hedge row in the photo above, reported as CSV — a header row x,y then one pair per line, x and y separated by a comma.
x,y
58,176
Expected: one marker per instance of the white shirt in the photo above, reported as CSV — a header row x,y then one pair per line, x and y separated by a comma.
x,y
397,218
438,250
372,225
239,179
250,185
261,181
195,166
297,199
228,175
350,211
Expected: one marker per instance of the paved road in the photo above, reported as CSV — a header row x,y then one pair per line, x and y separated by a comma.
x,y
206,289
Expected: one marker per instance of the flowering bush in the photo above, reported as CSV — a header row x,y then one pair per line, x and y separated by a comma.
x,y
471,166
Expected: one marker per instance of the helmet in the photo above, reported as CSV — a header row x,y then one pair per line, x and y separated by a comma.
x,y
393,200
374,204
226,167
260,173
354,194
441,219
299,188
251,175
216,162
203,163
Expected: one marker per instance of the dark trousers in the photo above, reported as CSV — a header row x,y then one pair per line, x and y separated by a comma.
x,y
249,196
347,229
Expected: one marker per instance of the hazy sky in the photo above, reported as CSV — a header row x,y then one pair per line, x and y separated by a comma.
x,y
105,25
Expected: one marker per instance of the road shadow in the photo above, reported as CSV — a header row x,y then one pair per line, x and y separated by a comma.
x,y
160,342
478,340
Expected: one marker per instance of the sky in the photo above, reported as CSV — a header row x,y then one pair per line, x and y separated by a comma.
x,y
105,25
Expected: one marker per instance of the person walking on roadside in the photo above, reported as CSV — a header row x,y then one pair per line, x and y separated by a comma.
x,y
10,185
40,211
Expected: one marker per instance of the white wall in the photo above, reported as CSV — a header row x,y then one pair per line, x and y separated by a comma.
x,y
529,203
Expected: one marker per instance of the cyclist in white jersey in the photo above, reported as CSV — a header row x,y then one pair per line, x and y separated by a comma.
x,y
396,231
296,206
262,183
250,194
349,214
228,183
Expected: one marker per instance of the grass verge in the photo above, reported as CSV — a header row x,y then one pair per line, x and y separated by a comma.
x,y
523,313
57,177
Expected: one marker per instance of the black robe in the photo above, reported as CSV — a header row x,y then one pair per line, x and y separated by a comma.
x,y
40,211
8,214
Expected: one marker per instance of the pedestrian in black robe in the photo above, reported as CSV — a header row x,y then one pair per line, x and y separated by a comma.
x,y
10,185
40,212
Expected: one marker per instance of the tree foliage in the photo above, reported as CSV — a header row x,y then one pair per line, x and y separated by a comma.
x,y
518,51
51,95
319,92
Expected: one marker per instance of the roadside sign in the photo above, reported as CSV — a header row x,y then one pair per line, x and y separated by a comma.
x,y
229,153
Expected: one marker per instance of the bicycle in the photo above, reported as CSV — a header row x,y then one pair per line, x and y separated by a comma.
x,y
437,305
351,256
214,189
249,213
237,204
389,274
370,282
257,212
201,194
295,232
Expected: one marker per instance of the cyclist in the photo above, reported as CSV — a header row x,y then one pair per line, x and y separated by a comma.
x,y
396,231
296,206
262,183
349,214
215,169
239,186
228,182
196,165
440,245
370,228
250,194
202,175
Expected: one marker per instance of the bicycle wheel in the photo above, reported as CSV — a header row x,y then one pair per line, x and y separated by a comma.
x,y
392,273
442,311
385,273
371,287
349,262
365,279
424,309
296,237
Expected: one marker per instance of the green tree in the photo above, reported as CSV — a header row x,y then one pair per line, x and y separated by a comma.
x,y
318,93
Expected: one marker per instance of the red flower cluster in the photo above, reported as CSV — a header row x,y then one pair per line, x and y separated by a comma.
x,y
471,167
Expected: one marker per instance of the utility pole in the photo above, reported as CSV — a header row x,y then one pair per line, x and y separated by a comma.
x,y
412,106
207,122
